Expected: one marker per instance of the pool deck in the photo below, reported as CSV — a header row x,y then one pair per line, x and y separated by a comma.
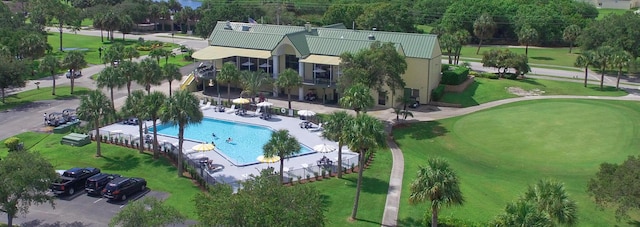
x,y
231,173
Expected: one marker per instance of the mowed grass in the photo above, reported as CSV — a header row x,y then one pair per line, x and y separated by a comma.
x,y
340,193
602,13
544,55
498,152
160,174
44,93
487,90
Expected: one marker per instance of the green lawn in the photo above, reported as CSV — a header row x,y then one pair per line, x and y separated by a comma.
x,y
340,193
604,12
544,55
44,93
487,90
160,174
425,28
498,152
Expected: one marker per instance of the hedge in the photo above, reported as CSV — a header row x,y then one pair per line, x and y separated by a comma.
x,y
12,143
456,76
489,75
437,93
446,67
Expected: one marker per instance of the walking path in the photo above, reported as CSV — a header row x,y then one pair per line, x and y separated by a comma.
x,y
395,182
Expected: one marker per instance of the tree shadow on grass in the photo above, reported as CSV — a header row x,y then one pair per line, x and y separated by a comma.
x,y
370,184
368,221
464,98
71,96
634,223
543,58
529,81
160,162
410,222
421,131
127,162
604,89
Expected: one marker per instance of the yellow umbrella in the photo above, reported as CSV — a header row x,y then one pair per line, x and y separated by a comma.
x,y
240,101
263,159
203,147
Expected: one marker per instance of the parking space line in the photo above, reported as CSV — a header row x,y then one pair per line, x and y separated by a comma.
x,y
97,200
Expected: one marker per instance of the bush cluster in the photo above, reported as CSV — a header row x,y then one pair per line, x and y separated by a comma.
x,y
455,75
437,93
489,75
12,143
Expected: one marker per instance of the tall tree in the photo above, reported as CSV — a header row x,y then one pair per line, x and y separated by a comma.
x,y
374,67
551,198
448,43
283,145
571,34
130,53
111,77
130,72
253,81
484,27
181,109
154,103
586,59
228,74
147,212
603,56
113,54
95,107
334,131
288,79
74,61
463,37
342,13
158,53
617,185
619,60
150,74
364,135
527,36
437,183
51,65
13,74
171,72
26,177
135,106
357,97
33,46
377,16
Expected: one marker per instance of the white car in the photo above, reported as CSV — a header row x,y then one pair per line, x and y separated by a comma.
x,y
76,74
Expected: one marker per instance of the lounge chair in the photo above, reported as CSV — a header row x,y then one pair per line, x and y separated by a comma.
x,y
201,102
231,110
257,113
206,107
319,128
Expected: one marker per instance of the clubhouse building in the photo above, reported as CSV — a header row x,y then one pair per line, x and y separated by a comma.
x,y
314,53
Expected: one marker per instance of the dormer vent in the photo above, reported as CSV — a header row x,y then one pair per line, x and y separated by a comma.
x,y
371,37
307,26
227,26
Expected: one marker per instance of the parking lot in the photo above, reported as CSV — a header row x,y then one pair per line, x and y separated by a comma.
x,y
79,210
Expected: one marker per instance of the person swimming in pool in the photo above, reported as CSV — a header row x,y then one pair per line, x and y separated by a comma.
x,y
213,135
229,140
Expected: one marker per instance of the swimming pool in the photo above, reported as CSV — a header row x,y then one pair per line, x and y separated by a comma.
x,y
247,140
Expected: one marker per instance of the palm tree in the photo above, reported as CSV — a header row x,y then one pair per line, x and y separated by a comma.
x,y
130,70
166,54
171,72
130,53
154,103
522,213
150,74
73,61
586,59
111,77
602,58
484,27
95,107
282,145
113,54
136,106
253,81
551,198
228,74
619,60
182,109
334,131
527,36
364,134
50,64
156,53
437,183
287,80
571,34
358,97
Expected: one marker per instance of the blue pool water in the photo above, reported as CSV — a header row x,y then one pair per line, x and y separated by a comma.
x,y
245,147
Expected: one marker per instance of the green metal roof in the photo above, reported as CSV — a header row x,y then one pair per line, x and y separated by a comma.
x,y
332,40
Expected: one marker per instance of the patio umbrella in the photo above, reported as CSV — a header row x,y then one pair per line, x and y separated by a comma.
x,y
248,63
203,147
319,70
264,104
306,113
324,148
273,159
265,65
240,101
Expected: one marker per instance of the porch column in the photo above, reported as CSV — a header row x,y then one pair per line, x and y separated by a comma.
x,y
301,73
276,71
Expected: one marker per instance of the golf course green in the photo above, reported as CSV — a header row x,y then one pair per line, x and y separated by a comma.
x,y
498,152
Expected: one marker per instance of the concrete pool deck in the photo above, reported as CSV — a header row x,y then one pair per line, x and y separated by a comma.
x,y
297,166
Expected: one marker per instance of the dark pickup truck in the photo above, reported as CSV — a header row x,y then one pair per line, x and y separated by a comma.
x,y
73,179
121,187
96,183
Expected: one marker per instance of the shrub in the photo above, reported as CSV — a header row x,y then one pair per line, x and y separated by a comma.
x,y
489,76
446,67
143,48
12,143
455,76
437,93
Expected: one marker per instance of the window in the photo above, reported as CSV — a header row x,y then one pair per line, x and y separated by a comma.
x,y
415,93
265,65
291,62
382,98
229,59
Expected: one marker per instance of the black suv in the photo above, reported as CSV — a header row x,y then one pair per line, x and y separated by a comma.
x,y
96,183
121,187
